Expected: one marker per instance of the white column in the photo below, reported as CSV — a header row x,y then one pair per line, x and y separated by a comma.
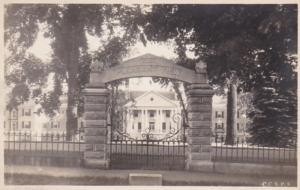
x,y
127,124
157,120
131,118
146,120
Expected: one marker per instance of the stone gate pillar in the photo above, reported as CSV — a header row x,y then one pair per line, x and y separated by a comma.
x,y
95,103
199,99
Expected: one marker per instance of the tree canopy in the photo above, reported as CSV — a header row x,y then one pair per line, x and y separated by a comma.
x,y
250,45
67,26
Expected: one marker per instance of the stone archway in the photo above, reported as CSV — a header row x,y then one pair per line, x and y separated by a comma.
x,y
199,107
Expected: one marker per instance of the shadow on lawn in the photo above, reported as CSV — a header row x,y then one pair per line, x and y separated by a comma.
x,y
24,179
21,179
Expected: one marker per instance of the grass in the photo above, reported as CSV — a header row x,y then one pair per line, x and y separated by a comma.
x,y
23,179
26,179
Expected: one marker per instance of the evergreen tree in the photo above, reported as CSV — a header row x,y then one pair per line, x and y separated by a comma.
x,y
274,121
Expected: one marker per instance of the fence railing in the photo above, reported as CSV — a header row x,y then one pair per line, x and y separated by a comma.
x,y
50,142
245,152
239,152
147,154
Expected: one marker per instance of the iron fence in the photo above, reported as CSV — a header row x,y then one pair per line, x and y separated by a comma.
x,y
46,142
147,154
255,153
162,154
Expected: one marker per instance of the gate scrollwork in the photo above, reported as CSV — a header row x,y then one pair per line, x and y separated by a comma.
x,y
174,133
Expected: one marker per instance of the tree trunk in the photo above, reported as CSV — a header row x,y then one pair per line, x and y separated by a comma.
x,y
71,57
71,124
231,114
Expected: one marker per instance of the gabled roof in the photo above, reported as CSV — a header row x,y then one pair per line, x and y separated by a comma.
x,y
155,93
135,94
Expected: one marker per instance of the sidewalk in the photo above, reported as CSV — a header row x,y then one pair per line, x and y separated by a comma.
x,y
51,174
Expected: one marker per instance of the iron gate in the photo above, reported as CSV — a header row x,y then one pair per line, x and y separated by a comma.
x,y
149,152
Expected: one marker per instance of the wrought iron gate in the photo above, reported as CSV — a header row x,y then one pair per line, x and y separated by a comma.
x,y
149,152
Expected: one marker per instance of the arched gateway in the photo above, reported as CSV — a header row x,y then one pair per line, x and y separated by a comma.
x,y
199,109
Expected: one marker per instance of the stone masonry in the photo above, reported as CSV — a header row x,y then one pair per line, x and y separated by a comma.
x,y
199,99
95,103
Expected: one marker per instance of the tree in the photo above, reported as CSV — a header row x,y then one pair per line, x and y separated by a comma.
x,y
248,42
231,114
67,26
276,107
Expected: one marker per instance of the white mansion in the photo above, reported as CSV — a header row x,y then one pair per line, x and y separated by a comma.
x,y
157,113
153,113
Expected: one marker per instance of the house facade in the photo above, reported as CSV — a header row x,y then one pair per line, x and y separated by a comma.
x,y
219,120
152,113
21,119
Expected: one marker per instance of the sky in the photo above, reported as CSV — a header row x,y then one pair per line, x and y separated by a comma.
x,y
41,48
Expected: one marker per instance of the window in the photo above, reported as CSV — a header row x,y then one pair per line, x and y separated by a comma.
x,y
238,126
219,126
151,112
135,113
81,124
132,126
164,126
168,113
238,114
14,114
139,126
219,114
14,125
54,125
28,112
28,125
22,124
152,126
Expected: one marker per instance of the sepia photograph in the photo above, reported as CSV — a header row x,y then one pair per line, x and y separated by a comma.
x,y
150,95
